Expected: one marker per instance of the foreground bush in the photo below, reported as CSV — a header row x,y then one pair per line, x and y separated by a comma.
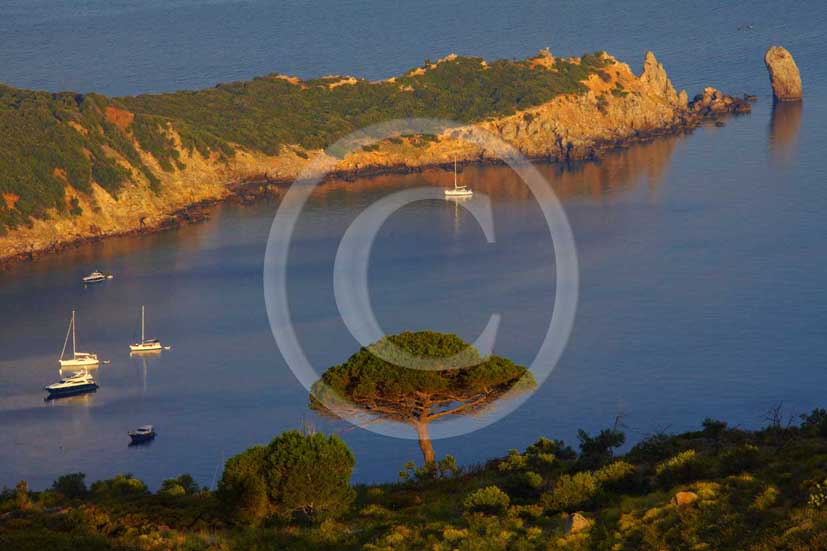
x,y
71,485
572,492
296,474
778,503
123,485
489,500
683,467
184,485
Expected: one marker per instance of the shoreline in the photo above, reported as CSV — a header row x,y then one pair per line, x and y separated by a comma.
x,y
254,189
614,109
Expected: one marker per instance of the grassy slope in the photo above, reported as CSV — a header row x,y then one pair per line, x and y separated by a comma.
x,y
51,141
754,493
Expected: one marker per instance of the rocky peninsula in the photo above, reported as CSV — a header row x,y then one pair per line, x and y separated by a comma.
x,y
83,167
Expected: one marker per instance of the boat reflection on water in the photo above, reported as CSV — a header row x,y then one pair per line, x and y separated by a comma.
x,y
145,358
457,201
85,399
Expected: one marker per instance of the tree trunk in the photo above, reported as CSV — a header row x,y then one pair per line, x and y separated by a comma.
x,y
425,442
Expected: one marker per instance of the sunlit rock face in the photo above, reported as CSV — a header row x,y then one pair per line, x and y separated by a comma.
x,y
784,75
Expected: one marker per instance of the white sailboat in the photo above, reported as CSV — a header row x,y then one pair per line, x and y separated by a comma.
x,y
458,191
146,345
78,359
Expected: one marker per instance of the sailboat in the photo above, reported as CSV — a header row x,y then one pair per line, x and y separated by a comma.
x,y
458,191
146,345
78,359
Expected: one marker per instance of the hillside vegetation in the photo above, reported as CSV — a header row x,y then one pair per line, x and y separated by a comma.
x,y
55,145
716,488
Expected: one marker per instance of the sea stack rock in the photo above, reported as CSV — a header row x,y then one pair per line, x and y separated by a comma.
x,y
784,75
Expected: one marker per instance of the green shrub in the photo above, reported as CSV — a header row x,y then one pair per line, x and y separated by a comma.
x,y
489,500
715,431
683,467
515,461
296,474
572,493
525,484
242,488
444,468
744,457
374,510
617,476
541,456
654,448
71,485
597,451
815,422
818,496
123,485
183,485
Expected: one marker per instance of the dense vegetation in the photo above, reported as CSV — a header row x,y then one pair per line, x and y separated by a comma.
x,y
296,476
717,488
49,141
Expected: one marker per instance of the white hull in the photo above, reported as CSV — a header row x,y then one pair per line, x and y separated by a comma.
x,y
78,359
149,347
80,362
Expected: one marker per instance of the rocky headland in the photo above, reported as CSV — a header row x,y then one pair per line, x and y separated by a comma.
x,y
610,107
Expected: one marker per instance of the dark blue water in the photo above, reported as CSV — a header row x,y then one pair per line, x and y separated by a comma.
x,y
702,257
123,47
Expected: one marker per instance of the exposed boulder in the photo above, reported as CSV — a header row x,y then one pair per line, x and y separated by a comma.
x,y
714,102
682,499
784,75
577,523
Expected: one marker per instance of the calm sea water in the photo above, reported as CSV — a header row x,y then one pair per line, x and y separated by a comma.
x,y
702,256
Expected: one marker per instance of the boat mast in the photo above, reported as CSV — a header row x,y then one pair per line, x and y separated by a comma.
x,y
66,340
142,324
455,172
74,338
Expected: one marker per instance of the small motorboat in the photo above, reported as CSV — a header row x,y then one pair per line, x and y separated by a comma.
x,y
458,191
145,345
71,385
78,359
97,277
142,434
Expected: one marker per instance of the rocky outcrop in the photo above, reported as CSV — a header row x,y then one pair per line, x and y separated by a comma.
x,y
655,79
784,75
683,499
618,108
714,102
577,523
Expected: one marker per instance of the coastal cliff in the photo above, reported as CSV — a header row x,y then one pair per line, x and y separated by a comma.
x,y
122,165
